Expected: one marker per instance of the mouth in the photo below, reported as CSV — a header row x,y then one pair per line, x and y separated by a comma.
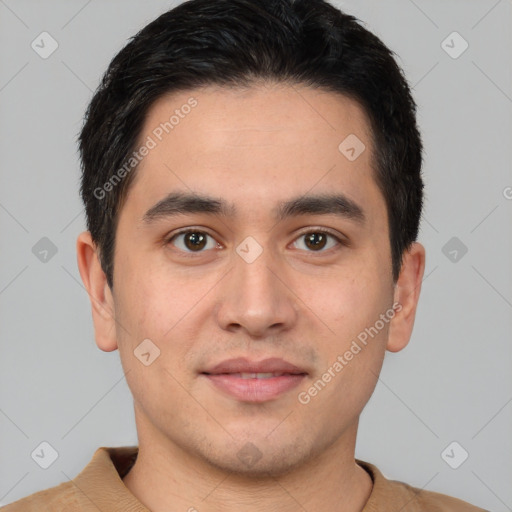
x,y
249,375
255,382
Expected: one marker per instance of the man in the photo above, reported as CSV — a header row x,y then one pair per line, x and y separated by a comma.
x,y
252,184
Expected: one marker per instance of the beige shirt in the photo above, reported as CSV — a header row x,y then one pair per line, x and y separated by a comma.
x,y
99,487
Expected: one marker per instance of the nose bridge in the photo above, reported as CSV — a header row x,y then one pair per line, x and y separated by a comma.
x,y
256,281
255,274
255,298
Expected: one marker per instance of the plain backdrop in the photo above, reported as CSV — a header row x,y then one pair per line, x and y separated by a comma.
x,y
451,384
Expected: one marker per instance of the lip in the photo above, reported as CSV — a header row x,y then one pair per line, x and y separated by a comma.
x,y
226,377
243,365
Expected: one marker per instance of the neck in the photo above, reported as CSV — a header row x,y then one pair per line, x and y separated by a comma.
x,y
165,477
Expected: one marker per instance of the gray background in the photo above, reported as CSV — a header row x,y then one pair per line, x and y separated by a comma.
x,y
452,383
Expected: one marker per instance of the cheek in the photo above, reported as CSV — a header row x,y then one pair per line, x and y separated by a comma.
x,y
151,317
146,297
158,305
348,304
352,310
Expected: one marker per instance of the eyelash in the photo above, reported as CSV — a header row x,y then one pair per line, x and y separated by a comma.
x,y
192,254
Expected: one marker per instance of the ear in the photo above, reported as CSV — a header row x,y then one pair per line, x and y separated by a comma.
x,y
406,296
100,295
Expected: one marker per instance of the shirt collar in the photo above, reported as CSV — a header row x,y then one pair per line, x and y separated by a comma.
x,y
101,481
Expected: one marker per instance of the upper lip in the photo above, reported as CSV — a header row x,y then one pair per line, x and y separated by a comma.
x,y
243,365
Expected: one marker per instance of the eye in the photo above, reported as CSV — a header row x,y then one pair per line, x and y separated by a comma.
x,y
196,241
192,241
317,241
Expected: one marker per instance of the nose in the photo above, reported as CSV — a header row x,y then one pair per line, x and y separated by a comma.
x,y
256,298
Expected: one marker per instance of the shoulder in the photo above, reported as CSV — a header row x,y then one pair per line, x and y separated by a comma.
x,y
56,499
100,482
436,502
391,495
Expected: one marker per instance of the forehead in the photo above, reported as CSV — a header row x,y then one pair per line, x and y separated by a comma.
x,y
266,141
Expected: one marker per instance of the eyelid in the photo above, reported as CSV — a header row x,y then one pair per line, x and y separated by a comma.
x,y
340,239
318,229
190,229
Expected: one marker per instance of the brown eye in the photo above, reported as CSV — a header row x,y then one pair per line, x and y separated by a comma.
x,y
193,241
317,241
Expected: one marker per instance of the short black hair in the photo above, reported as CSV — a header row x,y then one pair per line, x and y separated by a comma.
x,y
240,43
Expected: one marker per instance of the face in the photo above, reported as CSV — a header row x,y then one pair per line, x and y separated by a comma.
x,y
268,298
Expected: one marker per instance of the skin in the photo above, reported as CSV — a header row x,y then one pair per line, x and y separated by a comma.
x,y
253,147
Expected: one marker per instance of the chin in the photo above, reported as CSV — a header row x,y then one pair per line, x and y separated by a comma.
x,y
259,460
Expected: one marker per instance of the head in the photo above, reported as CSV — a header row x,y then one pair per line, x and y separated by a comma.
x,y
282,135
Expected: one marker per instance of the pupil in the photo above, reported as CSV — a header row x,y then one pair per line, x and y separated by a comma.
x,y
315,240
195,240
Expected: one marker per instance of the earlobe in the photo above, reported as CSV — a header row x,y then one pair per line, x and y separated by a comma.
x,y
406,296
100,295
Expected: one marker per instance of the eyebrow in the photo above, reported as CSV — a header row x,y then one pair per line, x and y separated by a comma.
x,y
179,203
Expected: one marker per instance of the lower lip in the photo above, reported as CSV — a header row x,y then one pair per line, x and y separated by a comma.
x,y
255,390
